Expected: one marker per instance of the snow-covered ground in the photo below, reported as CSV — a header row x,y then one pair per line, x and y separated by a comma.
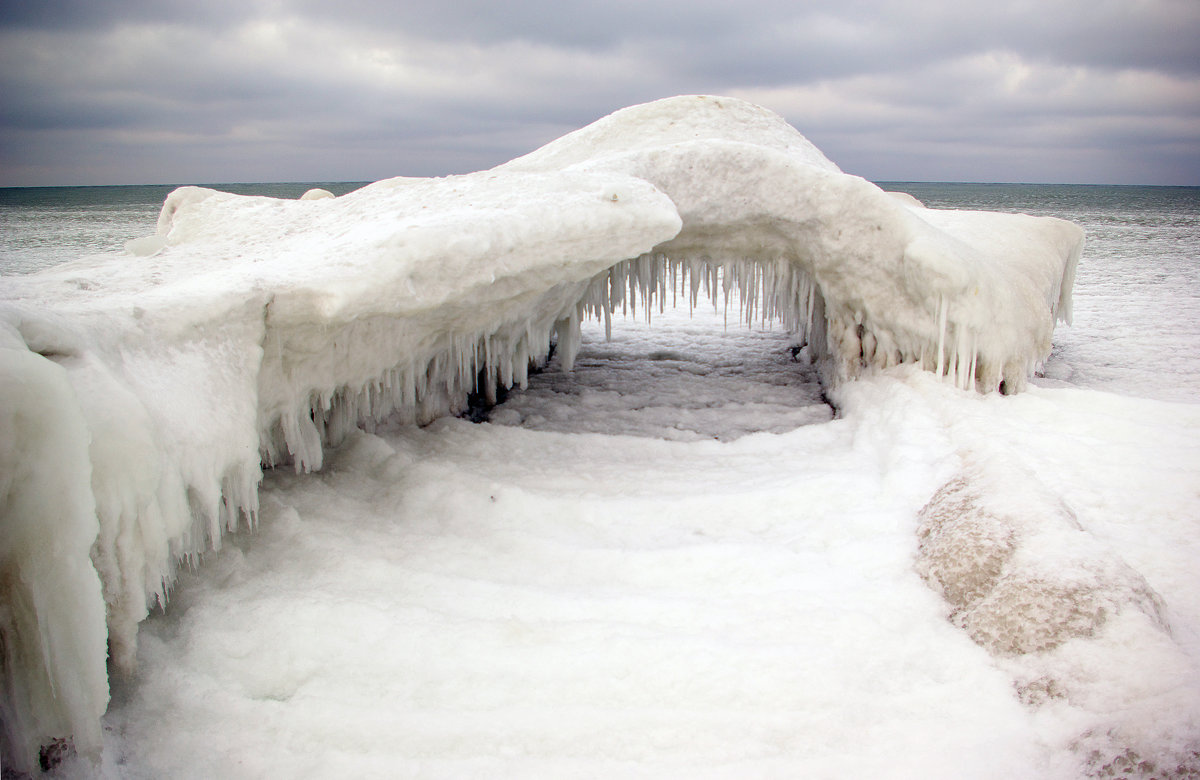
x,y
676,594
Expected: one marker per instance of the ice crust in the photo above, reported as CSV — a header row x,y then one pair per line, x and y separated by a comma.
x,y
252,331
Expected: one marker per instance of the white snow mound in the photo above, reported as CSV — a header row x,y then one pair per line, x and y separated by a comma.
x,y
255,330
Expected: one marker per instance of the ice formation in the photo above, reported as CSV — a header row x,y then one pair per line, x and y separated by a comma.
x,y
52,632
253,330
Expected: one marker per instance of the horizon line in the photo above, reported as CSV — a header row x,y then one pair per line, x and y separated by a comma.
x,y
372,181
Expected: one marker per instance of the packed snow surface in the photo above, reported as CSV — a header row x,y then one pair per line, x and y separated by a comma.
x,y
694,594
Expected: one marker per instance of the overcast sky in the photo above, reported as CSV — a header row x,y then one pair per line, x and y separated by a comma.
x,y
158,91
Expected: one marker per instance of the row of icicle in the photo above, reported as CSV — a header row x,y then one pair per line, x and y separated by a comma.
x,y
420,389
417,391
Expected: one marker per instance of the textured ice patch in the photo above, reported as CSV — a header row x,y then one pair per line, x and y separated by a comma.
x,y
1064,615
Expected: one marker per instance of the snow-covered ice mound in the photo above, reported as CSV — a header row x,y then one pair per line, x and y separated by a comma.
x,y
253,330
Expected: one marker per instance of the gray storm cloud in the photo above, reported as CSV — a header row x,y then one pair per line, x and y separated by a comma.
x,y
137,92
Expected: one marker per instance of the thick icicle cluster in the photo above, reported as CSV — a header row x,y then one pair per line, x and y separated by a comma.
x,y
52,672
257,330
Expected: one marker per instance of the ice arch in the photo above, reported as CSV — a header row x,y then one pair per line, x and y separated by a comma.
x,y
252,330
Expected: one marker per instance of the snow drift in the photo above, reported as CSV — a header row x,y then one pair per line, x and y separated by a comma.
x,y
252,330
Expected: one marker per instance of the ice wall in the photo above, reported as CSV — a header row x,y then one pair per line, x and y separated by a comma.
x,y
254,330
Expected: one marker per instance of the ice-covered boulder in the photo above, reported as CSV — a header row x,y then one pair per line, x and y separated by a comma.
x,y
1063,613
255,330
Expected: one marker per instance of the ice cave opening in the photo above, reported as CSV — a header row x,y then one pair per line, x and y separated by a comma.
x,y
681,362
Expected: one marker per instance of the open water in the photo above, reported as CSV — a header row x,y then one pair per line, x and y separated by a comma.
x,y
45,226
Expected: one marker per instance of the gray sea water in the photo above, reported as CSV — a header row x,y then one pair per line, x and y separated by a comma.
x,y
1137,294
45,226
